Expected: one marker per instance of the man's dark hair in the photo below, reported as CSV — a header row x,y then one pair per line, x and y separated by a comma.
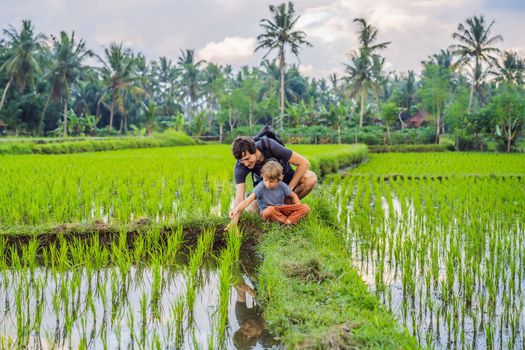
x,y
241,145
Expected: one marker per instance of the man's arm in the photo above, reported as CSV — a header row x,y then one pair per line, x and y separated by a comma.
x,y
302,165
239,197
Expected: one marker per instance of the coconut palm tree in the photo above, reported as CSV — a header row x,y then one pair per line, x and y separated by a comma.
x,y
22,63
511,68
280,34
475,48
362,73
118,75
190,77
66,68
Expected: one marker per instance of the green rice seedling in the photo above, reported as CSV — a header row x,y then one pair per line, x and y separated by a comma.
x,y
144,318
178,315
156,288
174,243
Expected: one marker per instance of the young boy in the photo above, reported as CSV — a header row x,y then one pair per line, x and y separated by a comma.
x,y
270,194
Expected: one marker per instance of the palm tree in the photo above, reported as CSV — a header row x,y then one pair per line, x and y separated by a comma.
x,y
280,34
475,47
363,73
190,77
66,68
119,75
164,77
21,64
511,68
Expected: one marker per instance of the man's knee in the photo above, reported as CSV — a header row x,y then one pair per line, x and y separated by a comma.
x,y
309,180
253,208
305,208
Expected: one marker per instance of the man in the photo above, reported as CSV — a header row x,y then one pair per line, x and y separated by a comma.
x,y
251,156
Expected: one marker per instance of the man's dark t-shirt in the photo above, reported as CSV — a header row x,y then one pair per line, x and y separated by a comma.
x,y
274,150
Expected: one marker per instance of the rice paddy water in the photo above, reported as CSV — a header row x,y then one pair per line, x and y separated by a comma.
x,y
440,239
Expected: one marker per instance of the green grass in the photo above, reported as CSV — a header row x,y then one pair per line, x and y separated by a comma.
x,y
313,297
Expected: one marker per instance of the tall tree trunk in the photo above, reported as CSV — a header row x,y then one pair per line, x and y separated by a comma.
x,y
66,95
401,120
97,111
121,128
230,119
281,68
388,134
471,95
111,112
5,93
65,116
250,116
220,133
43,115
438,124
362,111
339,134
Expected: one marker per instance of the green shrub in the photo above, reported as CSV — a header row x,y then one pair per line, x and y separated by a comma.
x,y
170,138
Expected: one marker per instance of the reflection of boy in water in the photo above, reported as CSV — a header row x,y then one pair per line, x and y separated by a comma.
x,y
252,327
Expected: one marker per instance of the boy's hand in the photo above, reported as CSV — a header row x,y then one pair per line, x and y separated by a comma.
x,y
233,213
230,226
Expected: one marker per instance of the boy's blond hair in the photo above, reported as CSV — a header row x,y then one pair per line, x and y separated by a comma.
x,y
272,170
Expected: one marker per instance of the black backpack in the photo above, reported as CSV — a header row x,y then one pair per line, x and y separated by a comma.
x,y
266,133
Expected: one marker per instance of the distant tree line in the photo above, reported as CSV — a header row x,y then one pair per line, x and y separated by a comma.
x,y
470,90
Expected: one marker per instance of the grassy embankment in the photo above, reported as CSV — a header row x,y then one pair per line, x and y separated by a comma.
x,y
312,295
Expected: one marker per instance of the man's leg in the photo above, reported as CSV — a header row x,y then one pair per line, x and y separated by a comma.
x,y
253,208
306,184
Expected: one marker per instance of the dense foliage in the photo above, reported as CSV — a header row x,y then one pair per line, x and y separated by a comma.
x,y
48,88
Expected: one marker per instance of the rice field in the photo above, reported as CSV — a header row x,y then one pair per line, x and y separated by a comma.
x,y
440,239
142,289
122,187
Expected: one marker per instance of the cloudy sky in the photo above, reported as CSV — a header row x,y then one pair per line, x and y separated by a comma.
x,y
224,31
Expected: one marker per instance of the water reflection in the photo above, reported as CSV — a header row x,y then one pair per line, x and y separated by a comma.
x,y
135,307
252,332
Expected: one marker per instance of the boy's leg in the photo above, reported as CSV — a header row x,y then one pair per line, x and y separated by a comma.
x,y
272,213
294,212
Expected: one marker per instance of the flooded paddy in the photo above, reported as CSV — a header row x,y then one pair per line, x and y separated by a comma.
x,y
444,255
155,293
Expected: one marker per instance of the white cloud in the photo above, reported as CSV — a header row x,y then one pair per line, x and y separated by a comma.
x,y
232,50
311,71
119,31
171,45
